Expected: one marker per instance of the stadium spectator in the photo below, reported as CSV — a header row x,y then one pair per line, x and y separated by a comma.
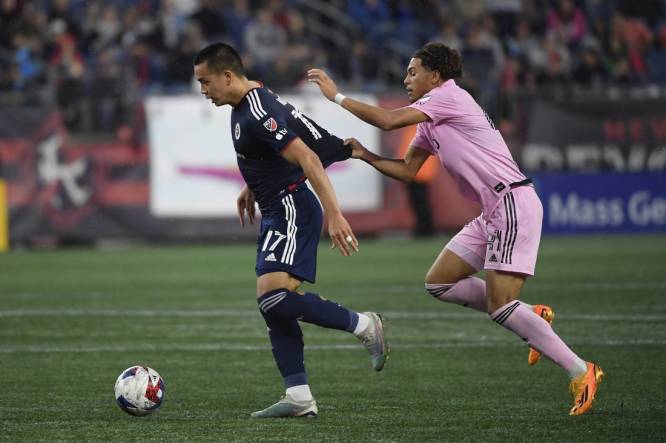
x,y
10,17
567,23
591,70
178,70
237,18
147,35
265,41
210,20
358,68
68,69
448,34
373,17
505,13
657,57
633,38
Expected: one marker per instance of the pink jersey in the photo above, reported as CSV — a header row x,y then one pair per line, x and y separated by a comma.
x,y
467,144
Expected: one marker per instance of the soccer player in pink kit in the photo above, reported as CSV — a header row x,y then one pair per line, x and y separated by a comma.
x,y
504,239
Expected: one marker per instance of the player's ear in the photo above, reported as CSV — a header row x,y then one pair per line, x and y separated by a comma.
x,y
436,76
228,76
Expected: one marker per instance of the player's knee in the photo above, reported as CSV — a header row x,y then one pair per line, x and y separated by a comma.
x,y
269,302
441,277
438,290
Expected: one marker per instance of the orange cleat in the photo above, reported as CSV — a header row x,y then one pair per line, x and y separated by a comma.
x,y
584,388
547,314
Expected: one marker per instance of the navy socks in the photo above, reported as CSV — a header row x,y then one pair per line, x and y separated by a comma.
x,y
281,310
309,307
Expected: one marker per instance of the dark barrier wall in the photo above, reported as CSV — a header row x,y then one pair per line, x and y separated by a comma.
x,y
599,166
599,163
84,192
595,135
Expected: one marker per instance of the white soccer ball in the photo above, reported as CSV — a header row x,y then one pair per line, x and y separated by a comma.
x,y
139,390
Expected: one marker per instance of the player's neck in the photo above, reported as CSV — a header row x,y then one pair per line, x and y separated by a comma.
x,y
245,87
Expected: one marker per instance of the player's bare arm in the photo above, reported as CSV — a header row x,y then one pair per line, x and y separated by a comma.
x,y
404,169
339,230
374,115
245,205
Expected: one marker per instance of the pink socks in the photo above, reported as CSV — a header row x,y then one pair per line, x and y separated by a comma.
x,y
469,292
524,322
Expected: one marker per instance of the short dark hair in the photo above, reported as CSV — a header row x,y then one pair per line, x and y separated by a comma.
x,y
220,57
438,56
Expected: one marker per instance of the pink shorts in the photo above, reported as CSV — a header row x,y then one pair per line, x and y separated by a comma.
x,y
507,240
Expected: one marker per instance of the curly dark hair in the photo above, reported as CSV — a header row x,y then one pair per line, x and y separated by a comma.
x,y
438,56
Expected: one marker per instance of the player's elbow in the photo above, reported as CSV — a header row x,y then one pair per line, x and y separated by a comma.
x,y
386,123
409,174
409,177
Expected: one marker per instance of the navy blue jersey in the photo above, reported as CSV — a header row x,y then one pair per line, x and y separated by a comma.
x,y
262,125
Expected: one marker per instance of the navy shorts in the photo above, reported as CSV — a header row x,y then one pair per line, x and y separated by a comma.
x,y
289,236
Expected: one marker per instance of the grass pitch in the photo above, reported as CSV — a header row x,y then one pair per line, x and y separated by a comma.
x,y
72,320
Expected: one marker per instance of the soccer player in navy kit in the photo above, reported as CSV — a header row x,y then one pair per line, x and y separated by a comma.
x,y
278,149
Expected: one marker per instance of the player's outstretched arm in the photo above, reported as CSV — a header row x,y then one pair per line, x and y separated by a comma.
x,y
374,115
339,230
245,204
400,169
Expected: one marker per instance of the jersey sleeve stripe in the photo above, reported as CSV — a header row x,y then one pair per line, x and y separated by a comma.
x,y
253,107
258,102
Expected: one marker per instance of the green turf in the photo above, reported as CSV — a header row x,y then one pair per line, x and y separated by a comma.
x,y
72,320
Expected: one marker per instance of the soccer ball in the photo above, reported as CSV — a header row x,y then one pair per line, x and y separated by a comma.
x,y
139,390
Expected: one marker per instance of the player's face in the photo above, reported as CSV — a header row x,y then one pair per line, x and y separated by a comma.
x,y
418,81
214,86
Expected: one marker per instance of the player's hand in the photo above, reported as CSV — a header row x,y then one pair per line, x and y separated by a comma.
x,y
327,86
245,204
341,235
358,150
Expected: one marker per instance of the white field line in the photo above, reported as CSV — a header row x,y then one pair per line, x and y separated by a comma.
x,y
213,313
364,289
212,347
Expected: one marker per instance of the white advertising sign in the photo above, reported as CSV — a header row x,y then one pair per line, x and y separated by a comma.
x,y
193,170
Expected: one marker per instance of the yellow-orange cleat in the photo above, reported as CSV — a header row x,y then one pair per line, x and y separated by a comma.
x,y
584,388
547,314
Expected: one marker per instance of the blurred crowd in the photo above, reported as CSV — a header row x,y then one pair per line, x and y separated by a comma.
x,y
94,58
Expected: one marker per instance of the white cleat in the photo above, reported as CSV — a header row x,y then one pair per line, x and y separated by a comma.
x,y
373,340
288,407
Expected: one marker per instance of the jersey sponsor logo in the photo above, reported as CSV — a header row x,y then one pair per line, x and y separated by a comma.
x,y
280,135
237,131
270,125
270,257
493,259
499,187
423,100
